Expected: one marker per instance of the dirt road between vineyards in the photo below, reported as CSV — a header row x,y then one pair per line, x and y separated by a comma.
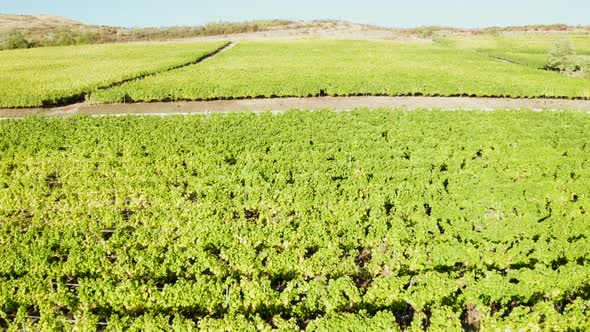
x,y
314,103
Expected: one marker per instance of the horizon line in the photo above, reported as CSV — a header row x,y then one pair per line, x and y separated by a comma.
x,y
556,24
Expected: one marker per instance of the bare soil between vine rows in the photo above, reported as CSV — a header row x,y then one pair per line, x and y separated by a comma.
x,y
311,103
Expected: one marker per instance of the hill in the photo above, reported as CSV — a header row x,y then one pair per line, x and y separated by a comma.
x,y
36,25
48,30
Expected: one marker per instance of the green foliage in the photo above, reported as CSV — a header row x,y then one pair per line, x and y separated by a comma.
x,y
295,68
584,62
536,50
371,220
442,40
320,67
61,37
49,76
13,41
532,60
493,31
562,56
532,43
86,38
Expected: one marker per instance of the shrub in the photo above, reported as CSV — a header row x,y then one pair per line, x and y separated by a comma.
x,y
86,38
13,41
584,63
64,38
492,31
562,57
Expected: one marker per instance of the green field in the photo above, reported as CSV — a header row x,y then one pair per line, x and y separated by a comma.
x,y
318,67
525,43
525,49
458,66
55,75
366,220
533,60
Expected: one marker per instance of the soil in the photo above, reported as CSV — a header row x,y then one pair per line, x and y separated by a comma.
x,y
315,103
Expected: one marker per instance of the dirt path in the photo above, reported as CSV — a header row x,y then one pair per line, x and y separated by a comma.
x,y
285,104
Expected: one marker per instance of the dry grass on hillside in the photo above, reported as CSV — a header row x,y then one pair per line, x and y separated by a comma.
x,y
47,30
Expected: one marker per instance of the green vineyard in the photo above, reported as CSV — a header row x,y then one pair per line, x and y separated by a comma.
x,y
60,75
322,221
343,68
125,73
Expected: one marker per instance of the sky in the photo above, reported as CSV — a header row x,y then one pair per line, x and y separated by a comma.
x,y
393,13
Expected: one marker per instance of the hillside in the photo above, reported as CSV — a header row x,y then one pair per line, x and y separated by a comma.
x,y
49,30
35,25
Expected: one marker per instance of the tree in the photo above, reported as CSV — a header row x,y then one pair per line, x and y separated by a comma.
x,y
64,37
13,41
86,38
562,56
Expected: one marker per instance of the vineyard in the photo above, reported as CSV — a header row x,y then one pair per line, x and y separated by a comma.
x,y
319,67
526,43
319,221
125,73
529,49
56,75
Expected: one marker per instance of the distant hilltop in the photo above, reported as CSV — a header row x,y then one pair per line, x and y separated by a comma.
x,y
49,30
41,23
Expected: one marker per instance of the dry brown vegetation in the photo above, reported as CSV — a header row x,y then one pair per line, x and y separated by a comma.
x,y
36,25
47,30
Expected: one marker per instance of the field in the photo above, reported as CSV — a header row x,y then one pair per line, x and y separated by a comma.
x,y
372,219
320,67
529,49
525,43
363,220
252,69
55,75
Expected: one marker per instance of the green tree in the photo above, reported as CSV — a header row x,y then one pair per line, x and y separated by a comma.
x,y
13,41
64,38
562,56
86,38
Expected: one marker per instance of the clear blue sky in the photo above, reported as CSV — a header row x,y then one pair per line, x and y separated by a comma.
x,y
393,13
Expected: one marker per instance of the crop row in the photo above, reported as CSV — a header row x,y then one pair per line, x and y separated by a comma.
x,y
529,50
